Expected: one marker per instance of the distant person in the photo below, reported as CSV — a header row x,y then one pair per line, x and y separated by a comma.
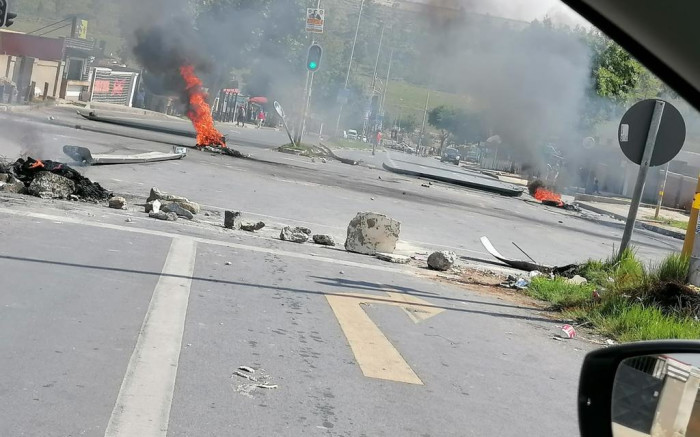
x,y
595,186
240,119
261,118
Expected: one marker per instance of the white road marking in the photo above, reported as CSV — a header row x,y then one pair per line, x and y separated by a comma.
x,y
143,404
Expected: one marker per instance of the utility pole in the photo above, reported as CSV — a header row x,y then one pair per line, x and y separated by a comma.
x,y
374,83
352,54
386,84
425,117
312,64
692,223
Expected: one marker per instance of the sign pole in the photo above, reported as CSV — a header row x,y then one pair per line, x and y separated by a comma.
x,y
642,175
661,192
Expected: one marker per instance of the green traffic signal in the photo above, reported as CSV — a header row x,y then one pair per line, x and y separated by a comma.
x,y
313,61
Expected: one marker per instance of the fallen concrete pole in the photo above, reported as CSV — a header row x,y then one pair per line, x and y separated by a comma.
x,y
83,155
501,189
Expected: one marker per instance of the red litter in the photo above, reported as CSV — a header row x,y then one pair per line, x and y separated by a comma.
x,y
569,331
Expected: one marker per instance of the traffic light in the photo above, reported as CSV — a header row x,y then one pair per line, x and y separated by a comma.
x,y
6,17
313,60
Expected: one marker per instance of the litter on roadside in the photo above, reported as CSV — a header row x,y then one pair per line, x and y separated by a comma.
x,y
528,266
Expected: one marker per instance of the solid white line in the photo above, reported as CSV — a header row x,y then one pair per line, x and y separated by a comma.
x,y
143,404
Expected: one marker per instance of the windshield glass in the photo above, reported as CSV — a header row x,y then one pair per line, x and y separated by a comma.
x,y
297,217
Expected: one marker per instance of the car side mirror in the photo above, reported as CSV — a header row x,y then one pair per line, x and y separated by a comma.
x,y
641,389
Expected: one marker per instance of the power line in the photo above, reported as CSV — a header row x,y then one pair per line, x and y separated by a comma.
x,y
58,28
50,25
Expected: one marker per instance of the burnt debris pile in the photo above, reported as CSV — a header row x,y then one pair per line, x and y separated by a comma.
x,y
49,179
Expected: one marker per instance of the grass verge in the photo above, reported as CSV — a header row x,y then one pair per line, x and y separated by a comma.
x,y
627,301
680,224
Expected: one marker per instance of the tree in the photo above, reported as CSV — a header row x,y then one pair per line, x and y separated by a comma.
x,y
456,124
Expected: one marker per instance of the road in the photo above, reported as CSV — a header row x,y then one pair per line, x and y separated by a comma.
x,y
136,328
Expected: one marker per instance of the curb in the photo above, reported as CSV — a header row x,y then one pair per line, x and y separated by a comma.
x,y
638,224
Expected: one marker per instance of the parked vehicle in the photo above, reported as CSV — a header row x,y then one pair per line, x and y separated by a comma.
x,y
352,134
451,155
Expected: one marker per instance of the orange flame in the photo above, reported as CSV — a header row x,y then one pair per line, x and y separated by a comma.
x,y
199,111
543,195
37,164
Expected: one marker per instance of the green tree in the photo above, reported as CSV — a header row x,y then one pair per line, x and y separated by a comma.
x,y
457,125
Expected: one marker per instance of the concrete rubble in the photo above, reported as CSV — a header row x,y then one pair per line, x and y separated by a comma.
x,y
370,233
232,220
156,194
442,260
393,258
169,216
324,240
251,226
177,209
153,206
51,186
9,184
577,280
117,203
295,235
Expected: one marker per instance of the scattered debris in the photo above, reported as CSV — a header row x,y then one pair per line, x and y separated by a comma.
x,y
442,260
577,280
73,197
251,226
246,369
244,375
156,194
371,198
527,265
324,160
153,206
392,258
128,220
232,219
324,240
515,282
341,272
370,233
84,156
177,209
425,185
228,263
224,151
22,173
117,203
295,235
160,215
267,386
610,342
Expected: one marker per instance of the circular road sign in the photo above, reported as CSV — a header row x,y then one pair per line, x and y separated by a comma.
x,y
634,128
279,109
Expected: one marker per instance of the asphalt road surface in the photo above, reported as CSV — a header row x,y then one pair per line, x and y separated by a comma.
x,y
122,328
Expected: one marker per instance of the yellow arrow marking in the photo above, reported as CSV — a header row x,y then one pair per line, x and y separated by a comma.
x,y
374,353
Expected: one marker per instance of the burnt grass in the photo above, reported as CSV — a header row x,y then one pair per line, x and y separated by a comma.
x,y
672,298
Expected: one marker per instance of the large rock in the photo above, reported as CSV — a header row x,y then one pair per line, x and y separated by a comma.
x,y
232,220
11,185
370,233
156,194
169,216
324,240
117,203
49,185
177,209
295,235
443,260
251,226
